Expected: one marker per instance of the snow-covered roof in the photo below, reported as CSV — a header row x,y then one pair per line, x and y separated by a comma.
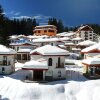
x,y
62,46
77,38
50,50
45,26
50,39
70,34
6,50
91,61
74,54
82,27
21,36
62,34
34,36
91,48
67,34
24,50
12,37
22,43
64,39
86,43
76,49
46,40
69,43
34,65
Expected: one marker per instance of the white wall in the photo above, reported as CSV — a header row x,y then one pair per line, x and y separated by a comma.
x,y
8,68
55,70
56,73
23,46
91,55
52,68
89,34
54,60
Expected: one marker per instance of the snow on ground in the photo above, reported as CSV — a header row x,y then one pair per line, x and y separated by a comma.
x,y
18,65
75,87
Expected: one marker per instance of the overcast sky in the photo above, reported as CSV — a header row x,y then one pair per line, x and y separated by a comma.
x,y
71,12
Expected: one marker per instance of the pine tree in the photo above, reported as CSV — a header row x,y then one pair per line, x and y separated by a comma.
x,y
3,27
52,21
57,23
34,23
60,26
66,29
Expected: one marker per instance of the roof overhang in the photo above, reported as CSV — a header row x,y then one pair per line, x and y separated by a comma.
x,y
33,69
91,51
91,64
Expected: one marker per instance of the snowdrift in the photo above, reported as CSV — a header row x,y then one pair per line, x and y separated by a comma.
x,y
12,88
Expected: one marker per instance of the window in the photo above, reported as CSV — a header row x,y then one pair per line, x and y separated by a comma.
x,y
3,69
50,62
86,32
1,63
4,60
17,48
38,31
62,65
28,56
13,47
50,30
52,44
42,44
86,38
24,56
59,73
45,31
9,63
4,57
90,34
59,62
18,56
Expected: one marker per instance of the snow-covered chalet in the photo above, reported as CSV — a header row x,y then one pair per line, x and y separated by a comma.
x,y
7,60
47,63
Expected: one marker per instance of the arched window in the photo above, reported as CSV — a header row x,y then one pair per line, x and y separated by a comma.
x,y
58,62
50,62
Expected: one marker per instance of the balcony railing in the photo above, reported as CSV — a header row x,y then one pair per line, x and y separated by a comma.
x,y
60,66
5,63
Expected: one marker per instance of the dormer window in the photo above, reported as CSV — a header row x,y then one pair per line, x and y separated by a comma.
x,y
50,62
